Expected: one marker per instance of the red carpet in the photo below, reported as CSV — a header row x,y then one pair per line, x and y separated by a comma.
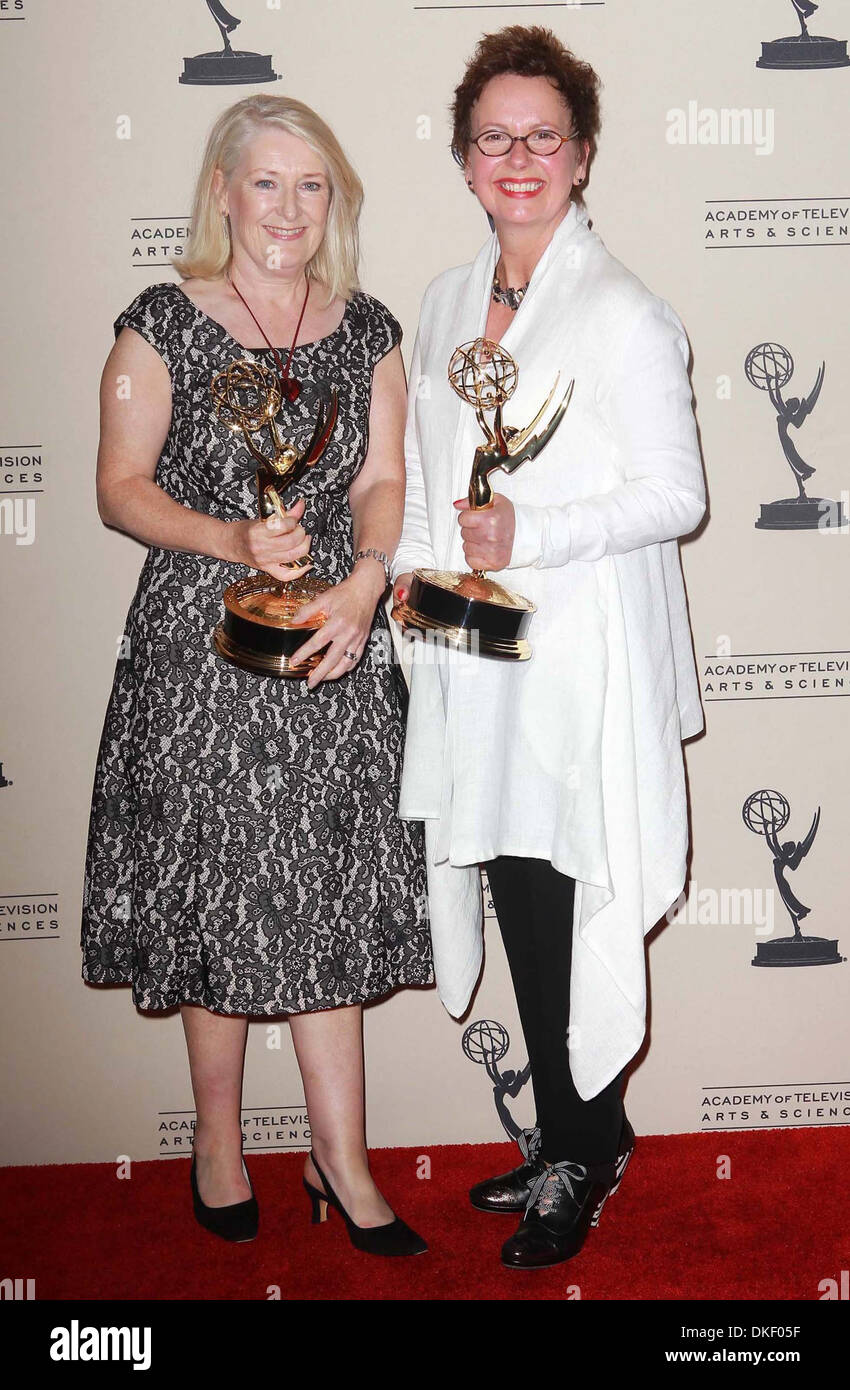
x,y
773,1230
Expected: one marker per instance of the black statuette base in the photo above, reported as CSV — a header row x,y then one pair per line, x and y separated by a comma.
x,y
464,620
801,514
797,950
253,657
227,69
797,54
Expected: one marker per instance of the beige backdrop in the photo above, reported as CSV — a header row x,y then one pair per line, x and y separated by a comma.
x,y
87,1077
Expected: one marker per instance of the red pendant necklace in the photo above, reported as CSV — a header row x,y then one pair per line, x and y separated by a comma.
x,y
289,385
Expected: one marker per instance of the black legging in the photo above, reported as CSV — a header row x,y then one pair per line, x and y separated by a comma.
x,y
534,905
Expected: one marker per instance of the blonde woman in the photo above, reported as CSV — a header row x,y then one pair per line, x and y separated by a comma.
x,y
245,858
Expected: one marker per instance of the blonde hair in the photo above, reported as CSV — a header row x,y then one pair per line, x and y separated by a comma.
x,y
208,250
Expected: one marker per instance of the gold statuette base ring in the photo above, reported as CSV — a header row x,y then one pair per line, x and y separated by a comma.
x,y
463,639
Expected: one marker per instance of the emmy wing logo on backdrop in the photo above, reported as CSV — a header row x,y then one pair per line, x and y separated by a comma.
x,y
769,367
781,1104
486,1042
767,813
804,51
226,67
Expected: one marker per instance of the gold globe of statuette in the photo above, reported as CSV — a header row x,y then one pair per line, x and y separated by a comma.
x,y
483,374
246,395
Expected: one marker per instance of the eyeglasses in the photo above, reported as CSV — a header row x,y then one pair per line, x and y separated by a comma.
x,y
542,141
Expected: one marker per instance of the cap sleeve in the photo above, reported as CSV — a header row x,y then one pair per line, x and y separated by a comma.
x,y
155,314
385,331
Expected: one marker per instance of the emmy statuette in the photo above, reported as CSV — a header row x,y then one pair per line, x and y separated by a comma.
x,y
804,51
227,67
766,812
769,367
468,610
257,631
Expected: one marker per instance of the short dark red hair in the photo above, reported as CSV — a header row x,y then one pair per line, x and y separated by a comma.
x,y
527,51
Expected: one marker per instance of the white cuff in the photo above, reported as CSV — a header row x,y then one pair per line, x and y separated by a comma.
x,y
531,538
409,558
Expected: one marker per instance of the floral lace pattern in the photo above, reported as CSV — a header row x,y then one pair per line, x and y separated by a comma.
x,y
244,851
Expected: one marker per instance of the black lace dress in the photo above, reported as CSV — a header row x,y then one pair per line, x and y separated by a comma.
x,y
244,850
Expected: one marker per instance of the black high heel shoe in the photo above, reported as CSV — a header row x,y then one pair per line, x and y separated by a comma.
x,y
627,1148
394,1238
238,1222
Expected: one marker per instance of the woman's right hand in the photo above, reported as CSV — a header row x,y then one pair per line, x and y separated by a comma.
x,y
271,543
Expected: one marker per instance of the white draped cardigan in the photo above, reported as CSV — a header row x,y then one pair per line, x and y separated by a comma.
x,y
575,755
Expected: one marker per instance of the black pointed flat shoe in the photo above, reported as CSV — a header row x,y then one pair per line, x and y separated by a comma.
x,y
560,1211
393,1238
238,1222
509,1191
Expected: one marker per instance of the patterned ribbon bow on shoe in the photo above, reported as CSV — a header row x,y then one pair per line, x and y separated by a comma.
x,y
557,1172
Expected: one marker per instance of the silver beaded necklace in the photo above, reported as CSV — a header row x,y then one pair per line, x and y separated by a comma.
x,y
513,298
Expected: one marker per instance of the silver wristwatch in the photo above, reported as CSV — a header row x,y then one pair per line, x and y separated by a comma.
x,y
376,555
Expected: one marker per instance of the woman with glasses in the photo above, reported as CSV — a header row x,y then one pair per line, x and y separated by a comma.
x,y
562,775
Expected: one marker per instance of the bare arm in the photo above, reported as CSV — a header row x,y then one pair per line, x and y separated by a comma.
x,y
135,416
376,496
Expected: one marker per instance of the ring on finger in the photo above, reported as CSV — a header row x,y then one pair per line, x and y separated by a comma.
x,y
352,656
